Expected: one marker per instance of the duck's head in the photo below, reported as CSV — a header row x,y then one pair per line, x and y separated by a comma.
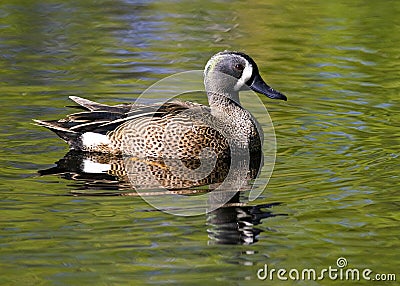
x,y
227,73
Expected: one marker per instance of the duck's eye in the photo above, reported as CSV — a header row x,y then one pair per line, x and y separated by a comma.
x,y
239,67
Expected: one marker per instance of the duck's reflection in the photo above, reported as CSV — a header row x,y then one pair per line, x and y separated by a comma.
x,y
235,222
95,171
230,221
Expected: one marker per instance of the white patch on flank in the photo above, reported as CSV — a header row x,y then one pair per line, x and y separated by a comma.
x,y
246,75
94,167
91,139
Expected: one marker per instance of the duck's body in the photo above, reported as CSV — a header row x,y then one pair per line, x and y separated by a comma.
x,y
175,129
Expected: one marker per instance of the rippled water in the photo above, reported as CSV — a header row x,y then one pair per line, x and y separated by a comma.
x,y
335,187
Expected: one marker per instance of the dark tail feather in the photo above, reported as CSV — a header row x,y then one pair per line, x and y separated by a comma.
x,y
66,134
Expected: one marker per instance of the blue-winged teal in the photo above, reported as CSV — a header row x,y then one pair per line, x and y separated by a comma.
x,y
175,129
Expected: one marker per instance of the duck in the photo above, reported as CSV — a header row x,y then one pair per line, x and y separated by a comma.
x,y
174,129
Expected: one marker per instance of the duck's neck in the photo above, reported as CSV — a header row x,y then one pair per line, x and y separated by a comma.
x,y
221,89
239,125
224,104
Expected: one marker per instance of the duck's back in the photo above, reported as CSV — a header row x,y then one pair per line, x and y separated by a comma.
x,y
175,129
186,133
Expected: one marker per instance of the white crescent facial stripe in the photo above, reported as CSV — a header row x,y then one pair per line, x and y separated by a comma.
x,y
246,75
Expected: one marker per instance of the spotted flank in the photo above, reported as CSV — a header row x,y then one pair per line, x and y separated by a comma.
x,y
175,129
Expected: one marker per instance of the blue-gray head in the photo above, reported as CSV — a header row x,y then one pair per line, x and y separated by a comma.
x,y
227,73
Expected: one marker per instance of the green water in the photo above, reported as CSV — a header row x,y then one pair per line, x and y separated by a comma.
x,y
336,177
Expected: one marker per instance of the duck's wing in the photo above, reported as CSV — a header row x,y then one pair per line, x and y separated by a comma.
x,y
102,119
89,105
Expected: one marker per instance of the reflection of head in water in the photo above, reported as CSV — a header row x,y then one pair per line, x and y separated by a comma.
x,y
235,223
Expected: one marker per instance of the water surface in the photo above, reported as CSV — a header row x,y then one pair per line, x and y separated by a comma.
x,y
334,191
